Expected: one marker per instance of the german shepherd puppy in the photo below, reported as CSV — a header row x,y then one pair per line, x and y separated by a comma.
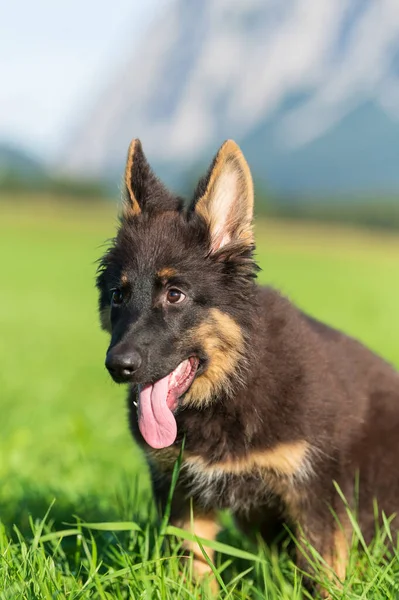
x,y
275,406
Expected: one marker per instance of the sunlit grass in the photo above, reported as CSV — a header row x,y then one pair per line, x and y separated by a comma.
x,y
64,426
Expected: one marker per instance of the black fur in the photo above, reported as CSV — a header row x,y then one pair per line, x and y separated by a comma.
x,y
297,383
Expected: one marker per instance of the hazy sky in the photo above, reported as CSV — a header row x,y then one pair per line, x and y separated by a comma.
x,y
55,55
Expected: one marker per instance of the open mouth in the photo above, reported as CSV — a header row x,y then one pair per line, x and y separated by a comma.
x,y
157,402
180,380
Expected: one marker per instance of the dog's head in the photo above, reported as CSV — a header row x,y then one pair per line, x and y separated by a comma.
x,y
176,289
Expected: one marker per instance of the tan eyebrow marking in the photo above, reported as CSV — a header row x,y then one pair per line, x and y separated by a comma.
x,y
167,272
223,341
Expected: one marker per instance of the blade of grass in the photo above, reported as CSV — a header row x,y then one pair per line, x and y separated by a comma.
x,y
113,526
55,535
213,544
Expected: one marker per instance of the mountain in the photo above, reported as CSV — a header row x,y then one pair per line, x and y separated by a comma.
x,y
15,162
309,89
22,173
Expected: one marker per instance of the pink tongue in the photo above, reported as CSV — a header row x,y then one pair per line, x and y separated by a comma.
x,y
157,423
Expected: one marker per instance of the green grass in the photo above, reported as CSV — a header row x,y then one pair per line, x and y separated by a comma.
x,y
66,457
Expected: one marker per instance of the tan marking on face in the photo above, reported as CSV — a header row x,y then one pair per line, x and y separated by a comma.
x,y
105,318
222,340
124,279
205,527
167,273
284,459
133,207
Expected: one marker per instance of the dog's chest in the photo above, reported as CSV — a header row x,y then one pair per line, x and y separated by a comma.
x,y
237,492
238,486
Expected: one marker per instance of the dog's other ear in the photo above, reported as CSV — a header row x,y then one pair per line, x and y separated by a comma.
x,y
225,198
143,190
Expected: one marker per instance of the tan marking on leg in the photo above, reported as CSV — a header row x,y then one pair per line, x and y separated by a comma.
x,y
202,572
222,340
205,527
340,554
336,558
167,272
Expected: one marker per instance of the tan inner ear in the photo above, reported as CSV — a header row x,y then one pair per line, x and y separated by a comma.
x,y
131,207
227,204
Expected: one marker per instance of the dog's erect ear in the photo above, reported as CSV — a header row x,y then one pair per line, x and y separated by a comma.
x,y
143,190
225,198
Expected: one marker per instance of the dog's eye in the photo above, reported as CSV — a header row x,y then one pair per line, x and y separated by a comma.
x,y
117,296
174,296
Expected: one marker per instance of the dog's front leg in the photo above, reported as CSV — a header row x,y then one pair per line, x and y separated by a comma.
x,y
331,543
187,515
203,525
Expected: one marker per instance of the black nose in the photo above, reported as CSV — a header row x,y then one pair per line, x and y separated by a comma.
x,y
122,365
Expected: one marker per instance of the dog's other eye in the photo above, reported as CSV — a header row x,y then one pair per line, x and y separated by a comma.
x,y
117,297
174,296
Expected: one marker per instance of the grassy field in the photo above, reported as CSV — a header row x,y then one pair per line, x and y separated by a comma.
x,y
66,457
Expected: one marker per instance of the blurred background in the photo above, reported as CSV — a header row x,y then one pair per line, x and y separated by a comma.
x,y
309,89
